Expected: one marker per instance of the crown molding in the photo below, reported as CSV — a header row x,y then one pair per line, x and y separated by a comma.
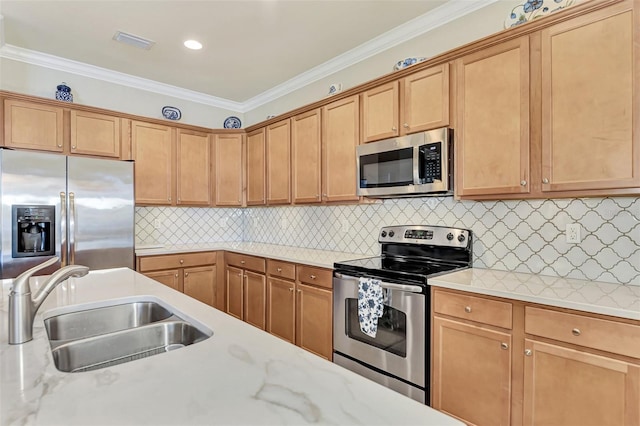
x,y
422,24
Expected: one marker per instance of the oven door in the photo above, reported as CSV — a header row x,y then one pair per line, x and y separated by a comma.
x,y
400,343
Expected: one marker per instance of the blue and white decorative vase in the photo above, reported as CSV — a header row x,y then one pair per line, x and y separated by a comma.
x,y
64,93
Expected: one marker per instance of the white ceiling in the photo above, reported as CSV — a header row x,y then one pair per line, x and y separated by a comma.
x,y
249,46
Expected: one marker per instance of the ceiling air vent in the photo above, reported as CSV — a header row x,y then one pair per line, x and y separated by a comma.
x,y
132,40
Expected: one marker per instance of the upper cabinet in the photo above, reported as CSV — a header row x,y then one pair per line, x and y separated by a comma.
x,y
588,108
552,113
153,149
306,152
193,168
228,169
256,168
279,163
95,134
412,104
492,131
31,125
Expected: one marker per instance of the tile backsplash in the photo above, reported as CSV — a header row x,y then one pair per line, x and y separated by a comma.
x,y
521,235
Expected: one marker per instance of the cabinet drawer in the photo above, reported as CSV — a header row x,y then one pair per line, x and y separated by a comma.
x,y
605,335
315,276
281,269
491,312
245,261
170,261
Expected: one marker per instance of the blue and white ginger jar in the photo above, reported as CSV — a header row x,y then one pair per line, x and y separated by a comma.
x,y
63,93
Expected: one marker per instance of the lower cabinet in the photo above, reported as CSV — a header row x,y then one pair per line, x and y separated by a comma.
x,y
300,306
194,274
498,362
246,288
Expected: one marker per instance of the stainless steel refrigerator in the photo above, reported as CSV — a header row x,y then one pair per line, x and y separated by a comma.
x,y
79,209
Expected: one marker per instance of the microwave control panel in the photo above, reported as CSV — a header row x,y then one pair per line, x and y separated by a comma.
x,y
430,162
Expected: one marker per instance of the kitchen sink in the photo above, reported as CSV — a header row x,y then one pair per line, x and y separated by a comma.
x,y
90,339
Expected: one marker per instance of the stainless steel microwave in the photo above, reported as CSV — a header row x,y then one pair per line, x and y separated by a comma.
x,y
416,165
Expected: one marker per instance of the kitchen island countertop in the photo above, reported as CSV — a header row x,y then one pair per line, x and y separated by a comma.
x,y
240,375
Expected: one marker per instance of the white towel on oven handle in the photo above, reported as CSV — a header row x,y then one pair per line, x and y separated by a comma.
x,y
370,305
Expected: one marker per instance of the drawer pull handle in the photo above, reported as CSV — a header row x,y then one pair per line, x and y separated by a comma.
x,y
528,352
242,262
181,261
313,277
467,309
279,269
576,332
504,345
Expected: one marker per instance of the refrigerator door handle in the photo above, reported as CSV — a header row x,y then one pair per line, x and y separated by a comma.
x,y
72,229
63,229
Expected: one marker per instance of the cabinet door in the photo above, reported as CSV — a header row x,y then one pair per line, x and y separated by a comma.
x,y
424,100
279,163
193,185
255,297
228,169
306,154
256,168
235,292
471,372
589,99
566,386
33,126
340,136
170,278
200,283
95,134
281,316
153,149
380,112
314,320
492,135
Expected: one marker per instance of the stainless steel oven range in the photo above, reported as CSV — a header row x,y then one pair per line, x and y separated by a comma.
x,y
399,354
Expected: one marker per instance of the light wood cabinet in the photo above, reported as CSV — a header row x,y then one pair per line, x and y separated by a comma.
x,y
193,170
589,101
492,132
314,319
380,115
256,174
30,125
194,274
246,288
95,134
281,308
472,359
306,154
228,169
153,148
279,163
340,137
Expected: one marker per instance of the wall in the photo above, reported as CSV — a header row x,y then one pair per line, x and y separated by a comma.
x,y
521,236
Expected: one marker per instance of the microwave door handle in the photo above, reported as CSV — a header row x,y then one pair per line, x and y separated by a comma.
x,y
389,286
416,165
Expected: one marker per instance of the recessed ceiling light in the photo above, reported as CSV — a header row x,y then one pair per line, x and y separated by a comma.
x,y
193,44
133,40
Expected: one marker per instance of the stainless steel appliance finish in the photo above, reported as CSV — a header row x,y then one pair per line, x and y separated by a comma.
x,y
398,355
420,164
93,204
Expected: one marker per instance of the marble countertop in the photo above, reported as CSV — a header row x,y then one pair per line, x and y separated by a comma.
x,y
321,258
589,296
240,375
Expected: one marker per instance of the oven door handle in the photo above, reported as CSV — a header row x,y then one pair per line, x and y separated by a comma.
x,y
388,286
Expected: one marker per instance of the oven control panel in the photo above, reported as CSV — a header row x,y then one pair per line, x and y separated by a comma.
x,y
424,234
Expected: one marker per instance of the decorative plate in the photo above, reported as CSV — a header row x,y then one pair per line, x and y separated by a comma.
x,y
232,123
407,62
533,9
171,113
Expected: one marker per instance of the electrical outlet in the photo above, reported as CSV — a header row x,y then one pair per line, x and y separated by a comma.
x,y
157,223
572,233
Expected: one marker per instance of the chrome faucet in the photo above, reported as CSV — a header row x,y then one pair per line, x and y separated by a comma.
x,y
23,308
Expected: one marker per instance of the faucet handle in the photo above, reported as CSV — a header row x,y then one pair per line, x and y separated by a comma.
x,y
21,282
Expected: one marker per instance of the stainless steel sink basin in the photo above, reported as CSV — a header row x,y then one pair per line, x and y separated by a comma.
x,y
124,346
92,322
89,339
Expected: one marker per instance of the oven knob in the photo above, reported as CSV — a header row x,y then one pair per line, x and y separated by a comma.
x,y
461,238
391,234
449,236
384,234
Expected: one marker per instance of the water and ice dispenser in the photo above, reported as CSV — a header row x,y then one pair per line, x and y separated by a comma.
x,y
33,229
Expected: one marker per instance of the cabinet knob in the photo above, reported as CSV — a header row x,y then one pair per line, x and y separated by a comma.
x,y
176,275
279,269
73,147
523,183
405,125
299,291
576,332
169,198
313,277
528,352
291,289
181,261
467,309
504,345
242,262
545,180
186,274
59,145
179,200
394,128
